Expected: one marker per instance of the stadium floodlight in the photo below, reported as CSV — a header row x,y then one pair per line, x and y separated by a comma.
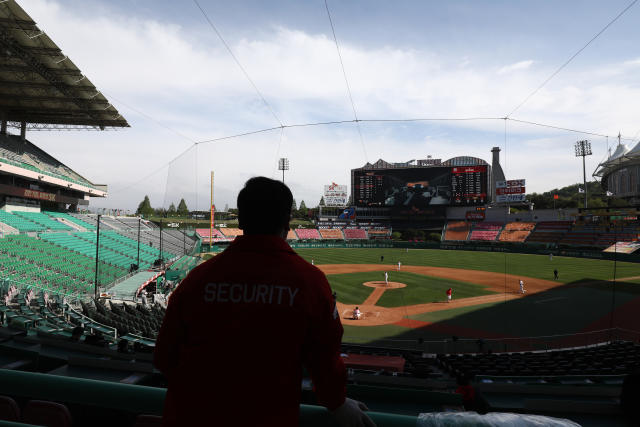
x,y
583,149
283,165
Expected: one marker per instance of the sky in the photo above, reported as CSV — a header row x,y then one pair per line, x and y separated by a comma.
x,y
168,73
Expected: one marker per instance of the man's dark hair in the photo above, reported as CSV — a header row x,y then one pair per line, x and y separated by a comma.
x,y
264,206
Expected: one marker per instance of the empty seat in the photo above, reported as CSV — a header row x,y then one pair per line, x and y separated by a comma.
x,y
44,413
9,409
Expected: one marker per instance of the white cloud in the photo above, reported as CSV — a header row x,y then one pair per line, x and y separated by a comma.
x,y
522,65
190,83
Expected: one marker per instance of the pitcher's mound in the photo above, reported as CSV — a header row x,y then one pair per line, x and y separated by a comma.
x,y
382,284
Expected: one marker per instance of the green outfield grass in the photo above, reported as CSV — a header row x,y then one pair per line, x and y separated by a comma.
x,y
539,266
420,289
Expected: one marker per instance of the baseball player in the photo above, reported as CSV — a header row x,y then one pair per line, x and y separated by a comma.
x,y
449,294
386,278
522,291
399,265
274,317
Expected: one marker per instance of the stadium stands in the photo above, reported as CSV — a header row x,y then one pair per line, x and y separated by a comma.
x,y
331,233
379,233
135,319
291,235
580,235
610,359
20,223
354,234
22,153
308,234
457,230
625,233
549,231
231,232
486,231
65,216
516,231
204,233
35,261
45,220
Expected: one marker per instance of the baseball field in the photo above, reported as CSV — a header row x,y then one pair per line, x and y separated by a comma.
x,y
486,303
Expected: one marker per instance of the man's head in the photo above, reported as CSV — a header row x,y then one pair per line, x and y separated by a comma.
x,y
264,207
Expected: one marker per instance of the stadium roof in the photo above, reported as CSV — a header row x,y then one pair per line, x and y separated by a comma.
x,y
40,85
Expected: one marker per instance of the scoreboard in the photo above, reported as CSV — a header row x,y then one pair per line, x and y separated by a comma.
x,y
468,185
368,189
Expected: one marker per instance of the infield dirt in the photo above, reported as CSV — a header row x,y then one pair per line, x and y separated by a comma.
x,y
506,285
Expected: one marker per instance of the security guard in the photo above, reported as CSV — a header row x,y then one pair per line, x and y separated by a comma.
x,y
240,327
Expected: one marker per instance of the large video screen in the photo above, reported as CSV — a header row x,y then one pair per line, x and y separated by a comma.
x,y
418,189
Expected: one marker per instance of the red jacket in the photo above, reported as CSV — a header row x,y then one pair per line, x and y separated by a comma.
x,y
237,332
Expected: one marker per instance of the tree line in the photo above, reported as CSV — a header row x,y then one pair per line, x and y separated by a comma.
x,y
145,209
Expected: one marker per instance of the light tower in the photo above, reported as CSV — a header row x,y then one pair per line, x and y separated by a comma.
x,y
583,149
283,165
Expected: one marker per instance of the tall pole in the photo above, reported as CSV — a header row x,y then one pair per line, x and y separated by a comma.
x,y
95,281
583,149
160,253
212,213
139,220
584,179
283,165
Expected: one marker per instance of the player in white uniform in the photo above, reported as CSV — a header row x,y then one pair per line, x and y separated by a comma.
x,y
522,291
399,264
386,278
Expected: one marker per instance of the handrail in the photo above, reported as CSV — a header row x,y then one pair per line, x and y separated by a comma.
x,y
115,331
140,399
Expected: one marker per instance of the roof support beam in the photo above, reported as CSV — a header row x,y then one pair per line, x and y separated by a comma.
x,y
25,69
27,84
28,98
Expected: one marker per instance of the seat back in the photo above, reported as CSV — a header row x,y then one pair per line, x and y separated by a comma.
x,y
9,409
50,414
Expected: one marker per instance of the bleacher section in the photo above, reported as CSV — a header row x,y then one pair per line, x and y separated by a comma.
x,y
20,223
308,234
205,232
549,231
627,233
57,268
172,240
127,318
516,231
115,249
231,233
611,359
291,235
355,234
580,235
45,220
457,230
18,152
486,231
379,233
67,217
331,233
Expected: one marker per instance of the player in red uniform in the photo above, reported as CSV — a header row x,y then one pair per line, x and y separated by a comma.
x,y
240,327
449,294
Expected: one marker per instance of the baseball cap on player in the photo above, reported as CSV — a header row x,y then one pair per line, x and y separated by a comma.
x,y
264,206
